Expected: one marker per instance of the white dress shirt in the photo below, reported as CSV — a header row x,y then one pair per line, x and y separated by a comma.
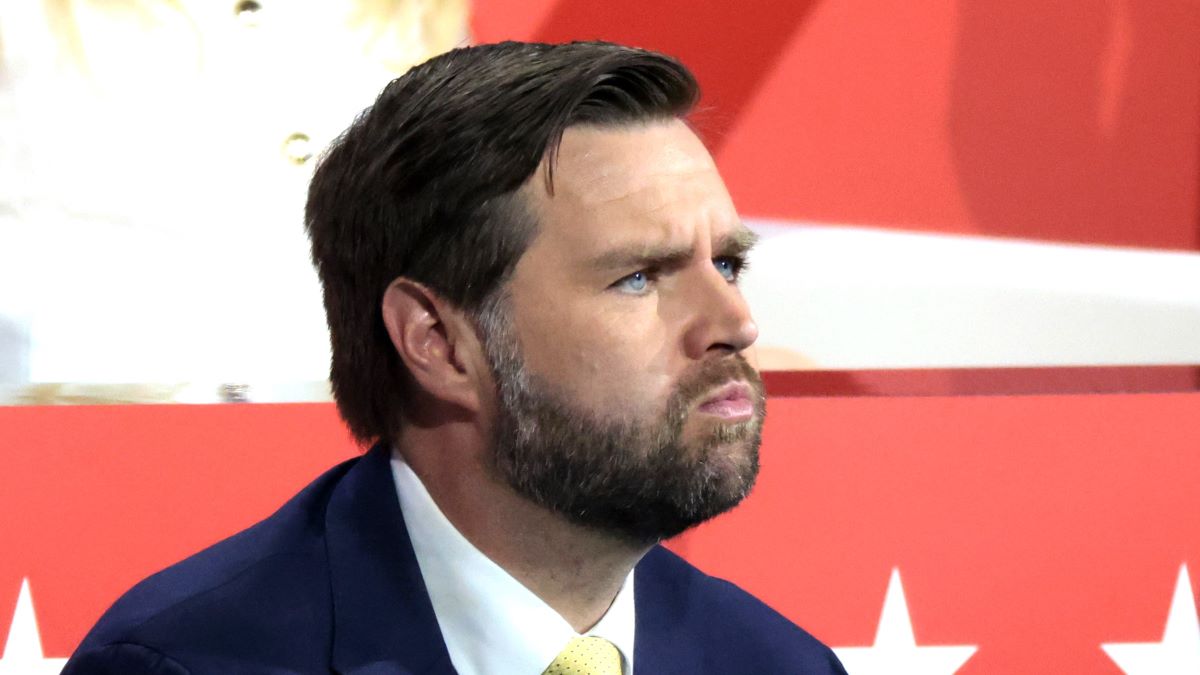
x,y
491,623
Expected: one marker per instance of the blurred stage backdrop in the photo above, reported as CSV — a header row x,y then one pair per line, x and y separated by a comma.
x,y
978,291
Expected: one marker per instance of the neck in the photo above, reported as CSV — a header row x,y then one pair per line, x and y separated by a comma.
x,y
575,570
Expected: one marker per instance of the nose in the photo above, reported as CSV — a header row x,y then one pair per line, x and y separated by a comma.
x,y
721,319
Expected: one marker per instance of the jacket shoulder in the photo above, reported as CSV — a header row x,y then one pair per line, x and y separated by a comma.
x,y
123,659
265,586
734,631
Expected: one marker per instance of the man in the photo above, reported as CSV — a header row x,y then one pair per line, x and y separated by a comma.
x,y
530,270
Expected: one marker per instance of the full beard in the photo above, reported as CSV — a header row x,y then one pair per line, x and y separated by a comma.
x,y
637,479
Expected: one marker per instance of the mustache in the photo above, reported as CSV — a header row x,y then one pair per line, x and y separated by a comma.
x,y
714,373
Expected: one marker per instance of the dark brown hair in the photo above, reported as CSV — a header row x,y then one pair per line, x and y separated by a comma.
x,y
423,185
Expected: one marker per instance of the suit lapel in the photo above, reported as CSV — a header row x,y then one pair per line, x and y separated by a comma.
x,y
383,619
668,638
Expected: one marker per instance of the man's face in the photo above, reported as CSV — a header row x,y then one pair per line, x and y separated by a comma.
x,y
625,403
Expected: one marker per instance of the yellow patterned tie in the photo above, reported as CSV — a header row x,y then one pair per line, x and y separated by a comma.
x,y
586,655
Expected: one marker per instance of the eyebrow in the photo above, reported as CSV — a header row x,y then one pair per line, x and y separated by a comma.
x,y
735,243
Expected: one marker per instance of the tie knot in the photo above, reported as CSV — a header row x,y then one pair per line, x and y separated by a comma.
x,y
586,655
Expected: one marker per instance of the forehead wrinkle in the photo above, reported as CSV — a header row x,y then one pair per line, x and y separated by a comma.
x,y
615,187
599,168
666,249
641,253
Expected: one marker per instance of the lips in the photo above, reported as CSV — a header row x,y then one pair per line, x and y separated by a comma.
x,y
732,401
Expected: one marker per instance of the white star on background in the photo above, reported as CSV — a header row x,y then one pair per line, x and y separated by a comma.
x,y
1179,651
23,650
895,651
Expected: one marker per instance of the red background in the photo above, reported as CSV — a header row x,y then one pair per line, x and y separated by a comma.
x,y
1034,526
1075,121
1027,514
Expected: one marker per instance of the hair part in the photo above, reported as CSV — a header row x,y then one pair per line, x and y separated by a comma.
x,y
424,185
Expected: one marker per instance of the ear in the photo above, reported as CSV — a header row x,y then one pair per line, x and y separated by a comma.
x,y
437,343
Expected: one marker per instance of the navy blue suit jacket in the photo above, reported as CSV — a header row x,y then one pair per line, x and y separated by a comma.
x,y
329,583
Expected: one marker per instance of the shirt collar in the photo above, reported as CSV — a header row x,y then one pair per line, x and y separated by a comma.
x,y
491,623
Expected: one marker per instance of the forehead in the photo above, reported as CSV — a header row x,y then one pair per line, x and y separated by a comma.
x,y
599,165
653,179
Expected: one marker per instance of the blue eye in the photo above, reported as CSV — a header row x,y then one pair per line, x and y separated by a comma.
x,y
730,267
637,282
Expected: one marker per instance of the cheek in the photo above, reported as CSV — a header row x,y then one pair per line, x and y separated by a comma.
x,y
616,360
